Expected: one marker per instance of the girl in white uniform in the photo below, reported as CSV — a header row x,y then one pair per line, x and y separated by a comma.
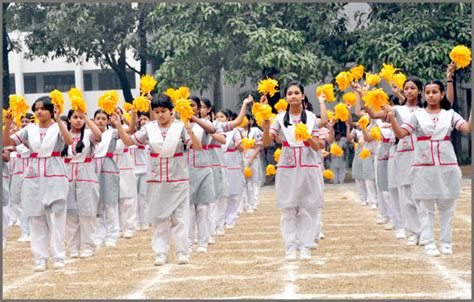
x,y
83,196
141,160
107,231
44,189
168,186
128,189
252,160
19,160
404,156
435,174
5,193
297,173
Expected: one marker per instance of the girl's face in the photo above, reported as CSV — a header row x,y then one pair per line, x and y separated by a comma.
x,y
411,91
101,121
294,96
195,107
221,117
205,110
433,95
76,121
143,119
163,115
24,122
42,113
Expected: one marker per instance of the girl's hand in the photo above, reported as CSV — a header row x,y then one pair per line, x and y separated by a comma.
x,y
263,100
115,119
330,124
149,97
450,71
395,89
56,114
356,87
322,98
266,124
248,100
8,117
388,111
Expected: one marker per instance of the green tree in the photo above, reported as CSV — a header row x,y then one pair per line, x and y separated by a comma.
x,y
415,37
198,42
99,32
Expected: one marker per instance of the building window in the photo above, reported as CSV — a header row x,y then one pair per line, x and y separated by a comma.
x,y
62,82
88,82
12,84
30,83
109,80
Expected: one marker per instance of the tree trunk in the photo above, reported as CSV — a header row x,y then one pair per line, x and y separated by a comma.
x,y
142,37
217,93
6,67
121,72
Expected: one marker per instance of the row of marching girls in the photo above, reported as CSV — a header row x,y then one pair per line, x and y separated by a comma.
x,y
413,166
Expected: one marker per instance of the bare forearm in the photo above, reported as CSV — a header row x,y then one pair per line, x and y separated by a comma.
x,y
208,127
324,114
267,138
65,134
314,144
240,118
124,136
94,129
7,141
197,145
366,135
399,132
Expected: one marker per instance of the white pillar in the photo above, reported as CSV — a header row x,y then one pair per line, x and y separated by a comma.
x,y
79,76
19,82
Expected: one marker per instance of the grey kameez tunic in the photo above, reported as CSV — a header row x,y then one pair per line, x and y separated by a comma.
x,y
405,149
108,172
45,183
168,182
362,168
18,164
234,163
297,179
201,180
435,173
256,167
83,196
128,182
383,155
221,185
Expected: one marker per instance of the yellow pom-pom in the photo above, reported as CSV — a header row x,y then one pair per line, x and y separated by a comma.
x,y
301,132
247,172
461,56
270,170
357,72
268,87
349,98
184,109
127,116
372,79
141,104
331,115
264,113
336,150
328,174
341,112
108,101
328,90
57,99
281,105
375,133
77,100
365,153
375,99
173,94
4,113
18,105
256,108
127,106
387,71
244,122
399,79
277,154
343,80
147,84
248,143
363,121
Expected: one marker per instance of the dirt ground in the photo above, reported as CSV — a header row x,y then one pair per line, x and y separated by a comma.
x,y
358,259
